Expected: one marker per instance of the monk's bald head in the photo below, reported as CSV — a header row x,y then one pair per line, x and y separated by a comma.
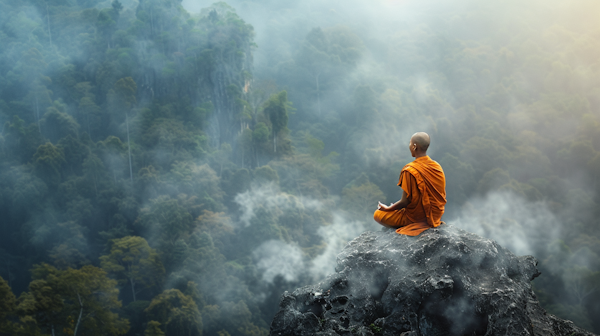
x,y
421,139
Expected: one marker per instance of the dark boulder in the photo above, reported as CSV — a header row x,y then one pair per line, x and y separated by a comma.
x,y
445,281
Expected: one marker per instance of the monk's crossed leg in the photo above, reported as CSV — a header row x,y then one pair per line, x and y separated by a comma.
x,y
395,218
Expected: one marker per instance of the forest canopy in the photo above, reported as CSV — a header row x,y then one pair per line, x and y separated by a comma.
x,y
172,167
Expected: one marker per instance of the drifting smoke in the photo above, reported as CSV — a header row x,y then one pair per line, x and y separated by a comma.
x,y
336,236
275,257
269,197
512,221
278,258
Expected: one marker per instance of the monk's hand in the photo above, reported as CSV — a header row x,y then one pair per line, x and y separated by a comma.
x,y
383,207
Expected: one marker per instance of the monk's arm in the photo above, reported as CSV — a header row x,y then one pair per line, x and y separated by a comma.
x,y
401,204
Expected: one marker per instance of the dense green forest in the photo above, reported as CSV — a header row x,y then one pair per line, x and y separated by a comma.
x,y
170,167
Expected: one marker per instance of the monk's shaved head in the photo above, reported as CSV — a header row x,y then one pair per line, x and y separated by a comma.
x,y
421,139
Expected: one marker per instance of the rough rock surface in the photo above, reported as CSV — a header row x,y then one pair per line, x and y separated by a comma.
x,y
445,281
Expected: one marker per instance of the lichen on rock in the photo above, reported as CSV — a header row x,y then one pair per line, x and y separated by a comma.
x,y
445,281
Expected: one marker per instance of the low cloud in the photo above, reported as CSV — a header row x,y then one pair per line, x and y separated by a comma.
x,y
270,197
522,226
336,235
275,257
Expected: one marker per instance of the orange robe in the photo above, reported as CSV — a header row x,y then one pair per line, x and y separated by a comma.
x,y
424,182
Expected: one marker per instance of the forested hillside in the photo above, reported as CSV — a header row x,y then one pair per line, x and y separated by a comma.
x,y
171,168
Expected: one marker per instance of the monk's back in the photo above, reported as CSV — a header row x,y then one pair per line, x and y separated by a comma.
x,y
423,199
431,182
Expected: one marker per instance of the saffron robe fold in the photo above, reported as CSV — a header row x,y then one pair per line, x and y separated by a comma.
x,y
424,182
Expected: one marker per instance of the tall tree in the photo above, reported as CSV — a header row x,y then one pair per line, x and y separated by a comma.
x,y
78,300
153,329
48,162
133,260
42,305
57,124
122,98
277,108
178,312
7,305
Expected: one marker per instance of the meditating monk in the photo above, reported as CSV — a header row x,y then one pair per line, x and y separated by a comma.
x,y
423,193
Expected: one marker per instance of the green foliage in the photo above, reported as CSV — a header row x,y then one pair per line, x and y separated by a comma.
x,y
266,173
375,328
260,133
219,226
276,108
47,162
178,313
27,192
198,180
360,195
73,300
459,181
81,288
153,329
7,305
238,321
21,140
122,96
75,153
68,240
168,218
132,260
57,124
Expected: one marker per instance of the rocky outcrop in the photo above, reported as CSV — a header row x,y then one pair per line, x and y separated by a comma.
x,y
445,281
